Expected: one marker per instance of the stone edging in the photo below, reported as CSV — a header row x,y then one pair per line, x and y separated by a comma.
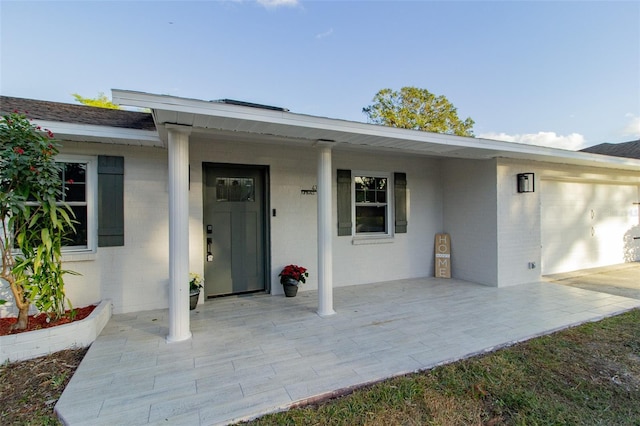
x,y
32,344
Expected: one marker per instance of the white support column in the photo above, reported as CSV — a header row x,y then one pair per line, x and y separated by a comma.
x,y
325,247
178,142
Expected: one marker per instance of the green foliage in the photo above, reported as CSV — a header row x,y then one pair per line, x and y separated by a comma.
x,y
101,101
33,223
419,109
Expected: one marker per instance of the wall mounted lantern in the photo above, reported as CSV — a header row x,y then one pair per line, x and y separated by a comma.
x,y
526,182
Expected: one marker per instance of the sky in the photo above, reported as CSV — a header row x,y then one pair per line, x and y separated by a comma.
x,y
564,74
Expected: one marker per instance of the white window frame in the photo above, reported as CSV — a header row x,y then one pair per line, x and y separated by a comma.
x,y
390,206
91,187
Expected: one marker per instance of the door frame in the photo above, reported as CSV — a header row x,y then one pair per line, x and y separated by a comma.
x,y
266,223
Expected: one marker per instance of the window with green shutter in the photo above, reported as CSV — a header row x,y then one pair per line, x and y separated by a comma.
x,y
400,198
365,198
110,201
344,202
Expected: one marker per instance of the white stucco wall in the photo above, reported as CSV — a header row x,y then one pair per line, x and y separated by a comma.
x,y
470,209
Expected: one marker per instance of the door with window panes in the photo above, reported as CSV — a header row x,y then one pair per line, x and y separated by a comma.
x,y
234,229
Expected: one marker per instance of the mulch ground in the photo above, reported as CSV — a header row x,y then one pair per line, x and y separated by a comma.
x,y
30,389
40,321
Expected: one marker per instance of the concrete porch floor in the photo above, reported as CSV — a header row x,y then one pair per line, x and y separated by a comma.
x,y
257,354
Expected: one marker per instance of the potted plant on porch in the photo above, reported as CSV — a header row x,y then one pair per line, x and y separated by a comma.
x,y
290,277
195,284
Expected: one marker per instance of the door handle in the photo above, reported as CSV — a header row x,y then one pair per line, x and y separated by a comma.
x,y
209,254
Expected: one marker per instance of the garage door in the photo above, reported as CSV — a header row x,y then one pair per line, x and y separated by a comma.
x,y
584,224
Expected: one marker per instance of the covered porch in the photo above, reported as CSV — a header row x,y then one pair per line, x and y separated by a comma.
x,y
449,176
257,354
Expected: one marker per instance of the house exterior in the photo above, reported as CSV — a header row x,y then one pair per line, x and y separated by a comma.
x,y
236,191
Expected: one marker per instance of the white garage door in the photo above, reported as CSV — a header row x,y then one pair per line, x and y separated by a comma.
x,y
586,225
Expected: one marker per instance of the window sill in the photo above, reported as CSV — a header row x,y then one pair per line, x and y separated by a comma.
x,y
79,256
362,240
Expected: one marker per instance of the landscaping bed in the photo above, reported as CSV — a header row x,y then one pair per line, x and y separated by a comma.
x,y
40,321
45,338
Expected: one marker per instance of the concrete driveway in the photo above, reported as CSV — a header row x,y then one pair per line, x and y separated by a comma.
x,y
619,280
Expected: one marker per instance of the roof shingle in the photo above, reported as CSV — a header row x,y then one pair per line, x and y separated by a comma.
x,y
80,114
625,149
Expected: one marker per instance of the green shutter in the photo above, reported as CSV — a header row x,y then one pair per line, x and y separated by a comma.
x,y
344,202
110,201
400,194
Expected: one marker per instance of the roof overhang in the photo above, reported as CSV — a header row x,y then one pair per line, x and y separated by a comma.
x,y
211,117
101,134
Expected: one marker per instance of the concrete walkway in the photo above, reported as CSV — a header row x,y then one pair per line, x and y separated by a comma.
x,y
257,354
620,280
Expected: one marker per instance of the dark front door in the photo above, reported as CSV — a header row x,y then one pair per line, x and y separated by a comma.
x,y
234,229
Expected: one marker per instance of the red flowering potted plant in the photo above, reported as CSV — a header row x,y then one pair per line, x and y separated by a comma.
x,y
290,277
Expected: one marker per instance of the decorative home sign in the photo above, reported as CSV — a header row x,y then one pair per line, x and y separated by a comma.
x,y
443,256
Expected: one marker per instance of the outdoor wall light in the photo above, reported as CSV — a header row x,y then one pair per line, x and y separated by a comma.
x,y
526,182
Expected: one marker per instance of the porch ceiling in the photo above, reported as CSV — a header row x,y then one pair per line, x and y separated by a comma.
x,y
245,123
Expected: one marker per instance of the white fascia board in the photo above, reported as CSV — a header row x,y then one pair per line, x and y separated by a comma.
x,y
498,149
104,134
222,110
561,156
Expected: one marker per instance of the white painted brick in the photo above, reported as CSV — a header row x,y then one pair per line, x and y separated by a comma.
x,y
495,231
470,204
36,343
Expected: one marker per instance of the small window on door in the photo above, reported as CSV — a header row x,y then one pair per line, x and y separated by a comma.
x,y
235,189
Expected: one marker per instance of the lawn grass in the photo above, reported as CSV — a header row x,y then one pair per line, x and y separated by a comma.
x,y
587,375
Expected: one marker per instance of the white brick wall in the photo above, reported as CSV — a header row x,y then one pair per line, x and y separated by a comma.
x,y
518,226
470,206
521,217
409,255
134,277
294,229
78,334
495,231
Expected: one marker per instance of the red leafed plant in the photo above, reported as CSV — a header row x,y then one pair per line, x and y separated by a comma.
x,y
298,273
